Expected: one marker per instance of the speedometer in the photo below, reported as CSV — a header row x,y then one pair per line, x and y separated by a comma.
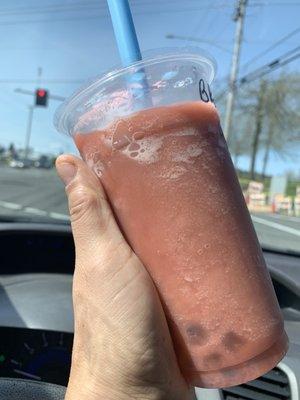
x,y
35,354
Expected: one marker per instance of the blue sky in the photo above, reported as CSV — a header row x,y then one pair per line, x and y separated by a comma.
x,y
73,40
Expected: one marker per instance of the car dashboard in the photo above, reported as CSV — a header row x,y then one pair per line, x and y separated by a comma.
x,y
36,315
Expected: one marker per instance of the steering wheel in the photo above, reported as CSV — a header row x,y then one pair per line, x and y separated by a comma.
x,y
23,389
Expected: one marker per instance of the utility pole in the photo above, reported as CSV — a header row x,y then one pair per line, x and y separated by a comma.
x,y
239,18
28,132
258,124
31,110
30,118
39,76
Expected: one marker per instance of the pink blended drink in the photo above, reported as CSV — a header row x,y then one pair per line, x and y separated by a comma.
x,y
169,177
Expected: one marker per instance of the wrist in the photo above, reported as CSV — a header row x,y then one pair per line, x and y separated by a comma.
x,y
88,389
92,379
87,392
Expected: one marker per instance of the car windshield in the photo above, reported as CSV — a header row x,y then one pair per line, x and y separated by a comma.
x,y
48,49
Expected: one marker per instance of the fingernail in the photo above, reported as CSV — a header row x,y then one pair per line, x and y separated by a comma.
x,y
66,171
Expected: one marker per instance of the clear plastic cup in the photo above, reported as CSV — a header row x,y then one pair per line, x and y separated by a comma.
x,y
160,154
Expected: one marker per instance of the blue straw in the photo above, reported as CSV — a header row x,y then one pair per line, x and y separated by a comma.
x,y
124,29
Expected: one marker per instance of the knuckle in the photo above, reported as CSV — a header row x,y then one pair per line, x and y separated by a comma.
x,y
82,200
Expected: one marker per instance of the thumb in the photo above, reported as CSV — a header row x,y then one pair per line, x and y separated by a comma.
x,y
93,225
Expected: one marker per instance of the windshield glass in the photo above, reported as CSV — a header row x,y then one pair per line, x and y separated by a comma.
x,y
51,48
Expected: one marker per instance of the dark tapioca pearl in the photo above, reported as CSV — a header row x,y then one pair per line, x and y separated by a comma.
x,y
212,361
232,341
197,334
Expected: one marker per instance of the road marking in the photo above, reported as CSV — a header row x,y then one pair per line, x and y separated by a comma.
x,y
27,374
34,211
11,206
275,225
284,217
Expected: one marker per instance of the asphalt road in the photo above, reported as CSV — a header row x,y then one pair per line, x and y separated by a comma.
x,y
32,192
39,193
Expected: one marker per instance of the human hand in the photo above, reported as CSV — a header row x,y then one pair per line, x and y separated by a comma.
x,y
122,347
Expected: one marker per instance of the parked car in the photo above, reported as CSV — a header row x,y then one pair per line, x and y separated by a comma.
x,y
43,162
22,163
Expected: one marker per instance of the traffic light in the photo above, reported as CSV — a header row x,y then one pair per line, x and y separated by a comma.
x,y
41,97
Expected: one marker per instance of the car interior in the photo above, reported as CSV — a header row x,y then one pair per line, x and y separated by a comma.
x,y
36,316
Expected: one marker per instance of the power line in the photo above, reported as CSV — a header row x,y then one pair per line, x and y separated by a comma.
x,y
271,66
208,5
26,22
286,3
54,10
279,65
54,81
195,39
46,8
74,6
90,17
272,47
201,24
99,5
275,64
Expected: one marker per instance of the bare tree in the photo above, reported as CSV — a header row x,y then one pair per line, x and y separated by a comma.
x,y
282,119
266,120
240,143
259,120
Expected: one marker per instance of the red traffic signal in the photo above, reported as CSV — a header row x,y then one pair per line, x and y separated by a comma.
x,y
41,97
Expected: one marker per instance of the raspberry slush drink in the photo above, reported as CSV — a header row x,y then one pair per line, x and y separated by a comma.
x,y
174,191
